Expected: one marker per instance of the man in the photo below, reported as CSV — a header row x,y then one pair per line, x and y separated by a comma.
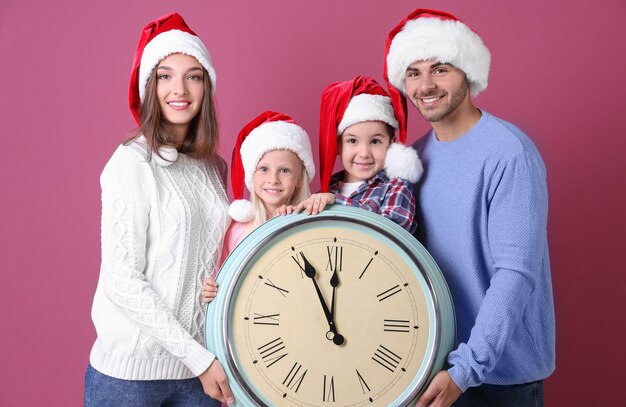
x,y
483,201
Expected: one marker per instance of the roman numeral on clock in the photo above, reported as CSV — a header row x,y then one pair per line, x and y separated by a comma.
x,y
272,351
299,261
366,266
388,293
397,325
335,258
293,381
329,389
386,358
362,382
282,291
270,319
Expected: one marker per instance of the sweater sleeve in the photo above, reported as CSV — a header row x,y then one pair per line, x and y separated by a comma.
x,y
516,224
126,182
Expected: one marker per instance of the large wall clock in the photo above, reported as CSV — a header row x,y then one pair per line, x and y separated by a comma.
x,y
344,308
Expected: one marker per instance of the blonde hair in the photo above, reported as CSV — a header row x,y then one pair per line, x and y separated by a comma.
x,y
300,193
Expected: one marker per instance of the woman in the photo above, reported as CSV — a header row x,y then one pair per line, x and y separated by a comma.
x,y
164,215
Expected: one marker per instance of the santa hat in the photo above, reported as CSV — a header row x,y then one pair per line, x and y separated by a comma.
x,y
160,38
267,132
431,34
359,100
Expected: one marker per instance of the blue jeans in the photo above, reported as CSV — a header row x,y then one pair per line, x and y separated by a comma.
x,y
106,391
491,395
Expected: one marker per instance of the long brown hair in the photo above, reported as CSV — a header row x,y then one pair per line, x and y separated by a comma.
x,y
202,139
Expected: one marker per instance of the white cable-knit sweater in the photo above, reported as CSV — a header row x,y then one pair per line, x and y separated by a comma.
x,y
162,232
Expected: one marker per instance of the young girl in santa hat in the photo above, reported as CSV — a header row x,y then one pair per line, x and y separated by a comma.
x,y
164,216
357,122
273,159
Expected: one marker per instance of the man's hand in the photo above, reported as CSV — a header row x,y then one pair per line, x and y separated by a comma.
x,y
441,392
215,383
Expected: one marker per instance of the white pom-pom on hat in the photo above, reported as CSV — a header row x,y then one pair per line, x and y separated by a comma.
x,y
403,162
241,210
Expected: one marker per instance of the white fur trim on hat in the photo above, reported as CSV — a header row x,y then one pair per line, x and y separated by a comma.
x,y
446,41
278,135
365,108
402,162
172,42
241,210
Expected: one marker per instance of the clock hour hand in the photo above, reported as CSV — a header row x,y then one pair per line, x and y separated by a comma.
x,y
334,282
310,272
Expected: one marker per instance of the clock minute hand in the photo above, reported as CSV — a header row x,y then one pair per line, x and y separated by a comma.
x,y
310,272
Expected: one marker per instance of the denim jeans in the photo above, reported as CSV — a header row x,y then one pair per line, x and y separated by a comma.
x,y
106,391
490,395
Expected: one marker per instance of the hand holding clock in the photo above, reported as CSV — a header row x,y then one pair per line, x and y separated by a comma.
x,y
442,391
310,272
215,383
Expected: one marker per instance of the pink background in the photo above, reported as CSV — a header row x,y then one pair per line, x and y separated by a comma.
x,y
558,72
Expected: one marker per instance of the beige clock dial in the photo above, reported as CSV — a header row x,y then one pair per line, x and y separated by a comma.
x,y
330,316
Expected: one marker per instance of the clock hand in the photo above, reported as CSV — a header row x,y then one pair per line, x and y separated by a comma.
x,y
334,282
310,272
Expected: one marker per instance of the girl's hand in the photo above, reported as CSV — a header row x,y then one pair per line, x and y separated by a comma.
x,y
285,210
209,290
316,203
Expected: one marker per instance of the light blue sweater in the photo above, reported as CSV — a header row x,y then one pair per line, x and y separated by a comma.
x,y
483,207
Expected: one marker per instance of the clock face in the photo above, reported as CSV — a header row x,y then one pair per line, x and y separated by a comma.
x,y
329,311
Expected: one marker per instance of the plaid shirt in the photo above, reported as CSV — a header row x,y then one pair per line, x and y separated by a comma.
x,y
392,198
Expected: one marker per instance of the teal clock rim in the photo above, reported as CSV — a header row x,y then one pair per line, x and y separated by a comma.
x,y
218,312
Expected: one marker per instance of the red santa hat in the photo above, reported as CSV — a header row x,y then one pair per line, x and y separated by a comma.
x,y
267,132
160,38
359,100
430,34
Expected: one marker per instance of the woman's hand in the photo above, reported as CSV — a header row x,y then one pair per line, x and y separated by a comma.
x,y
215,383
209,290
